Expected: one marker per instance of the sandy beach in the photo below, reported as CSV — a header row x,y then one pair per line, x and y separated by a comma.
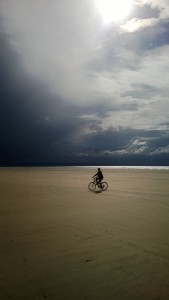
x,y
61,241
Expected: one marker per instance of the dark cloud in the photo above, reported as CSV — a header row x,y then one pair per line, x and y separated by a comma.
x,y
126,147
151,37
32,120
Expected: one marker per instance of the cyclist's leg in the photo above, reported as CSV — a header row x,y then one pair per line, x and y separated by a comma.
x,y
99,182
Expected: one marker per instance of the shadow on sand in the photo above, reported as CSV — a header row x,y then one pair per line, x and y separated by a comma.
x,y
98,191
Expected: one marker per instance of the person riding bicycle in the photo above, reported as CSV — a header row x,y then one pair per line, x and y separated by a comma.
x,y
99,176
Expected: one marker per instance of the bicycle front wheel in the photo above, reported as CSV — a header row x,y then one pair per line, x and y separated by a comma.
x,y
92,186
104,186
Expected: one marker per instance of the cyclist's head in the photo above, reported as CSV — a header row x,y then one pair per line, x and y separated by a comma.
x,y
98,169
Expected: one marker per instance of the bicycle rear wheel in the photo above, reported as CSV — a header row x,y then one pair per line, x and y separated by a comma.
x,y
92,186
104,186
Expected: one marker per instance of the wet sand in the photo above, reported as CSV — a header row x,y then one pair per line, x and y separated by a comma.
x,y
61,241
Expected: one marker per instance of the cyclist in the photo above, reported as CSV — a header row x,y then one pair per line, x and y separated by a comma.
x,y
99,176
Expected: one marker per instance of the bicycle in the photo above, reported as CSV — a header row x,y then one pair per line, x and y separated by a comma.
x,y
102,185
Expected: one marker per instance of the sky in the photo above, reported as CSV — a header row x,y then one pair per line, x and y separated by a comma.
x,y
78,86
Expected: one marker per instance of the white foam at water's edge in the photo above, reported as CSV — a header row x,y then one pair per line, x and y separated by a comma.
x,y
128,167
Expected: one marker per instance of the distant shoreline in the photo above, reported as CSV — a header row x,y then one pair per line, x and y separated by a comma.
x,y
89,167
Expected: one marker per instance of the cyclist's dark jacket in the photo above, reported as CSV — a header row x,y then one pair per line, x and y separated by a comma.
x,y
99,175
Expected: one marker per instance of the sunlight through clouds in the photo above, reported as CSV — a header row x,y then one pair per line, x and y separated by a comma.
x,y
136,24
112,10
